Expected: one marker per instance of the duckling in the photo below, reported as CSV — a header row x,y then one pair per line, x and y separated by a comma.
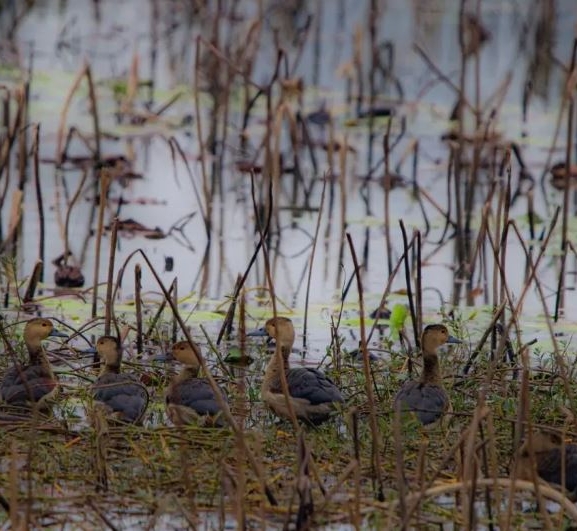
x,y
548,448
35,383
191,399
121,395
313,395
426,397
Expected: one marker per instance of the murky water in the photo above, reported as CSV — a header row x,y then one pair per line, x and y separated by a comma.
x,y
55,39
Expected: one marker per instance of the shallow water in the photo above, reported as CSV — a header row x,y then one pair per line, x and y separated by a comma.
x,y
70,34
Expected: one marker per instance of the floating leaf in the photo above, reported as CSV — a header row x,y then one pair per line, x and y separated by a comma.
x,y
398,317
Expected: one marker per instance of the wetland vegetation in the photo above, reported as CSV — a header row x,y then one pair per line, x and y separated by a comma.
x,y
187,169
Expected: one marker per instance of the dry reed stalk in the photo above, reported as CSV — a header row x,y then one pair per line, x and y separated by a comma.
x,y
570,96
138,308
109,302
39,201
387,183
312,259
517,485
502,249
69,212
94,111
400,468
357,470
175,300
33,283
227,324
343,203
408,283
13,487
204,173
375,435
101,440
388,287
254,256
14,219
418,283
158,313
104,183
303,486
59,157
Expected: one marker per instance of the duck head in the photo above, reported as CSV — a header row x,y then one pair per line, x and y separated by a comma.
x,y
436,335
39,329
187,354
281,329
109,349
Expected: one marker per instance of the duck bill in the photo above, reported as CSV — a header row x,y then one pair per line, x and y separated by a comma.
x,y
88,351
260,332
454,340
57,333
165,357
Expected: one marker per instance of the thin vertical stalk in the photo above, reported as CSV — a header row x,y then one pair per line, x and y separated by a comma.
x,y
387,186
408,283
138,308
570,95
39,202
312,258
104,180
375,435
110,282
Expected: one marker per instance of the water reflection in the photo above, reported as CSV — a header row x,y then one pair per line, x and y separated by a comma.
x,y
335,72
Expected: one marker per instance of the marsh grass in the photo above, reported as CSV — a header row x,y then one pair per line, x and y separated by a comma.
x,y
154,471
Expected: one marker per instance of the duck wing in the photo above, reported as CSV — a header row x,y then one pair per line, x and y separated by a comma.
x,y
429,402
197,394
549,466
312,385
122,394
24,384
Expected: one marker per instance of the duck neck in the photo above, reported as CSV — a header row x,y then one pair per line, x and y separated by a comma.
x,y
109,369
431,369
274,367
36,353
186,373
37,356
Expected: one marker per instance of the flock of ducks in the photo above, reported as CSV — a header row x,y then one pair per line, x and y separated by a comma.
x,y
309,395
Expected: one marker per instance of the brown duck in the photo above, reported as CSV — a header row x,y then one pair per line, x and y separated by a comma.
x,y
34,383
426,396
313,395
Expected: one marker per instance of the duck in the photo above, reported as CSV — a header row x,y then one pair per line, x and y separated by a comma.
x,y
34,384
548,448
426,396
190,399
122,396
313,395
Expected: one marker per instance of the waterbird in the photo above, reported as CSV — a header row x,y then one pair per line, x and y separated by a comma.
x,y
548,450
122,396
33,384
189,398
426,396
312,394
